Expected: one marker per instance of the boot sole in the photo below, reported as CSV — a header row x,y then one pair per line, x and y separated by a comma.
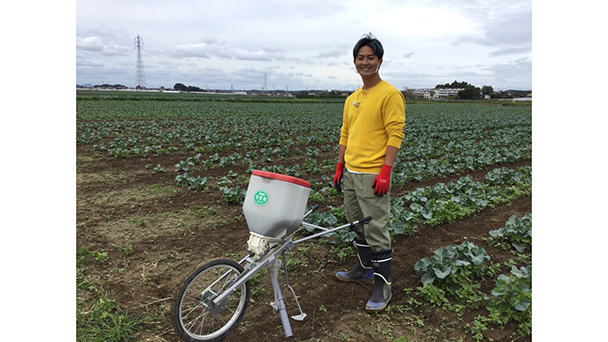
x,y
371,310
351,280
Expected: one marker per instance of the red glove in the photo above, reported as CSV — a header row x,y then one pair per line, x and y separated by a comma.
x,y
382,181
338,176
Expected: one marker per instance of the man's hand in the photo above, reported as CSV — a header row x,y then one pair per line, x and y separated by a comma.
x,y
382,181
338,176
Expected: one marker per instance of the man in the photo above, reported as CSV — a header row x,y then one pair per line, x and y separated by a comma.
x,y
371,135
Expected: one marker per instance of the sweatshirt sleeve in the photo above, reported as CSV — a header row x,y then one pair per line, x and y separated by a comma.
x,y
344,128
394,117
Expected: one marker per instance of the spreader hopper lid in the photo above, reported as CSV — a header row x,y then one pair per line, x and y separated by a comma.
x,y
280,177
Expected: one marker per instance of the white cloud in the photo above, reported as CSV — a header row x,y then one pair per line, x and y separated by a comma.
x,y
199,50
89,44
512,75
300,44
525,49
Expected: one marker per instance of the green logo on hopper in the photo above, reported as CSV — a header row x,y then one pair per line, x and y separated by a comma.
x,y
260,198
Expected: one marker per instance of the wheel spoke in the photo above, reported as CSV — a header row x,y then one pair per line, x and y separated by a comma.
x,y
187,312
196,316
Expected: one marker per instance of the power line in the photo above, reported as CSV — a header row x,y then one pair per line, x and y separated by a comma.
x,y
158,54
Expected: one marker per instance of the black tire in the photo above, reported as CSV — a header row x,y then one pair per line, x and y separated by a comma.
x,y
193,319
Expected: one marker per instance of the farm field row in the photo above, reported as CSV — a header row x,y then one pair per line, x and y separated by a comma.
x,y
160,187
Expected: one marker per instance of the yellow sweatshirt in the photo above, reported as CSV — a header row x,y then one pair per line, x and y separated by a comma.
x,y
373,119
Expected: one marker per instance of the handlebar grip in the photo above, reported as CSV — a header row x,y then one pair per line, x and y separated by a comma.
x,y
355,225
365,220
311,210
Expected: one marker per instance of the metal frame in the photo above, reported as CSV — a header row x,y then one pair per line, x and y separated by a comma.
x,y
253,266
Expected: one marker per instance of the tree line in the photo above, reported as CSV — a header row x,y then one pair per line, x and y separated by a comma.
x,y
182,87
471,92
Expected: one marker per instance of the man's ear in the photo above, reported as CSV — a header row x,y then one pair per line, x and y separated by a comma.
x,y
379,64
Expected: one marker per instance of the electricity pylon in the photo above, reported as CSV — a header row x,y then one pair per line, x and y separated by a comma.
x,y
139,70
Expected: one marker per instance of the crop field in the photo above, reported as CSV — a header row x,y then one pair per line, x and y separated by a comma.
x,y
160,186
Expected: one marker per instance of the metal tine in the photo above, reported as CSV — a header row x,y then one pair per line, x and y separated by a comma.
x,y
302,315
299,317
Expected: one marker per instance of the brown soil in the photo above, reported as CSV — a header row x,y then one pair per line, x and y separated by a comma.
x,y
172,230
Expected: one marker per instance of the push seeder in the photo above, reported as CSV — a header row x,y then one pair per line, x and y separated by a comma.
x,y
214,298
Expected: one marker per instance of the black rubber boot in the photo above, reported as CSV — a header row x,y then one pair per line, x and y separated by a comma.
x,y
362,271
382,288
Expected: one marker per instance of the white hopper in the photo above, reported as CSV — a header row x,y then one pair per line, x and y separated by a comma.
x,y
274,205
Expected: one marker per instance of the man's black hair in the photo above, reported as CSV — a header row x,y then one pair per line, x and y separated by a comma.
x,y
371,41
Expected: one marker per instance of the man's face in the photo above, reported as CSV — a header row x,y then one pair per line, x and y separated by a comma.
x,y
366,62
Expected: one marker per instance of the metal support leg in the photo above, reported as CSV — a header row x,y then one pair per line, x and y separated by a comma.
x,y
279,304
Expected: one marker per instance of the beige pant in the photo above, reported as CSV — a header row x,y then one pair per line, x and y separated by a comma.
x,y
360,202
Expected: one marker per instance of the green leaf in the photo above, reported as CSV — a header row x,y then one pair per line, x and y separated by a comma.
x,y
519,304
422,264
522,272
477,259
444,253
462,263
407,215
427,278
518,247
443,272
398,227
496,292
416,207
496,233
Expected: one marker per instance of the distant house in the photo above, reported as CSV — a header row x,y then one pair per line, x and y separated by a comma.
x,y
423,93
446,92
435,93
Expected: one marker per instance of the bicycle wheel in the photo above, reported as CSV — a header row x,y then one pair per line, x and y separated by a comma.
x,y
195,315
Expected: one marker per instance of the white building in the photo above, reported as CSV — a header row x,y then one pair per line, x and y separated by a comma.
x,y
433,93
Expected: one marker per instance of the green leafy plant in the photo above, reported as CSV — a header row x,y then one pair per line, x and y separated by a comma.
x,y
342,253
186,165
128,250
454,268
324,219
311,166
84,256
234,194
182,180
447,260
106,321
505,175
433,294
193,183
478,327
513,290
512,299
197,183
312,151
517,231
316,196
329,219
403,221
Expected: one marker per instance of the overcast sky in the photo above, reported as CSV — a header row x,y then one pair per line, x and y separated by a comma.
x,y
299,45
